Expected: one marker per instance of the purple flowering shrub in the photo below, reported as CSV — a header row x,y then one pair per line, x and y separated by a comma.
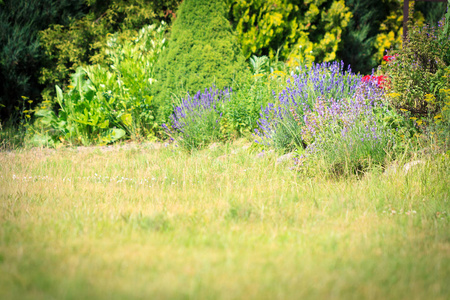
x,y
277,126
348,135
331,116
195,122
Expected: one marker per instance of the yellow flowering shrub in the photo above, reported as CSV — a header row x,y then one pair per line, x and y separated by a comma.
x,y
296,32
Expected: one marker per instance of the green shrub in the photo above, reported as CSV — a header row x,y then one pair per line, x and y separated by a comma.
x,y
103,104
241,112
80,43
418,72
309,30
202,51
442,120
243,109
419,86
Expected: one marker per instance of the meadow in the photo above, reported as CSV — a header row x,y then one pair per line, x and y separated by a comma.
x,y
152,221
173,161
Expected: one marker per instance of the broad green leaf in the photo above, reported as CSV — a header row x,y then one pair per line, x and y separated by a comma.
x,y
127,119
113,135
59,96
148,99
104,124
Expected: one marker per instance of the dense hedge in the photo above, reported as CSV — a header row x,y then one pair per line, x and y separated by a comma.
x,y
202,51
357,32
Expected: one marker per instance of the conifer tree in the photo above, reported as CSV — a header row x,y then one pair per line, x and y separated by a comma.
x,y
432,11
202,51
359,37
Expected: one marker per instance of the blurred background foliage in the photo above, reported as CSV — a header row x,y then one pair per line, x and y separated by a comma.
x,y
21,51
82,42
104,103
42,43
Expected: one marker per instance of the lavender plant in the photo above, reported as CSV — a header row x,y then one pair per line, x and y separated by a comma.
x,y
277,125
331,116
195,122
347,135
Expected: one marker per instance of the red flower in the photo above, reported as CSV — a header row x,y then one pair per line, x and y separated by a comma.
x,y
388,57
379,80
366,78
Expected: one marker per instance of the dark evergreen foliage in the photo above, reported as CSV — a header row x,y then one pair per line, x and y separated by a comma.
x,y
32,59
20,53
202,51
359,36
432,11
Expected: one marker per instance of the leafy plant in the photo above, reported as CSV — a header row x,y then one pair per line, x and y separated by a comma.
x,y
102,104
420,69
242,111
83,41
442,120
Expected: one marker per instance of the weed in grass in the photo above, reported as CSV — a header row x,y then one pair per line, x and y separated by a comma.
x,y
11,137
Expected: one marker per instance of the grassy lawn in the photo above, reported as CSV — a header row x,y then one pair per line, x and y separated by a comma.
x,y
158,223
